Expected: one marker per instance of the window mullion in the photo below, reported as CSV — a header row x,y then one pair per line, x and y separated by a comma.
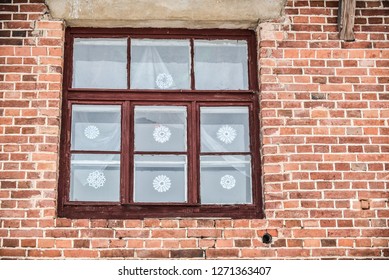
x,y
193,151
127,154
129,63
192,73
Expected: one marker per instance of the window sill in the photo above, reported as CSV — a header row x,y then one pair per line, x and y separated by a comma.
x,y
159,211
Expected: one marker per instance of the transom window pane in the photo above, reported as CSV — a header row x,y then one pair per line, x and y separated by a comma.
x,y
95,177
160,128
160,64
225,179
96,127
160,178
221,64
224,129
100,63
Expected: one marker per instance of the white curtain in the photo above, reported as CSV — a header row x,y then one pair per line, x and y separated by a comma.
x,y
100,63
96,127
220,64
160,64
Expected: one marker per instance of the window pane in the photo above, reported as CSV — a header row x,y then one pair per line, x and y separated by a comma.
x,y
160,64
225,179
160,128
100,63
224,129
95,177
160,178
221,64
96,127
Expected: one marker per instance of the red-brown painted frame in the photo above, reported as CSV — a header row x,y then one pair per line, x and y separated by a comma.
x,y
128,98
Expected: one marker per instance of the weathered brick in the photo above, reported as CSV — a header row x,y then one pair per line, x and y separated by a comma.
x,y
187,254
323,142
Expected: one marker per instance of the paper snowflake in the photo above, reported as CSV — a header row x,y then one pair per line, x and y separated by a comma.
x,y
161,134
164,81
227,182
226,134
162,183
91,132
96,179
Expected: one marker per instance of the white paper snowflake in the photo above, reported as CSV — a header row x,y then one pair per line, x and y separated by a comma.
x,y
96,179
226,134
228,182
91,132
161,134
164,81
162,183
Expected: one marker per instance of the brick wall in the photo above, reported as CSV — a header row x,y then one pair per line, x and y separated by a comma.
x,y
325,147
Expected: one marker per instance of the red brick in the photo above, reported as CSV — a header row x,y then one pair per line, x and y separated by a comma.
x,y
222,253
204,233
139,233
44,253
324,147
82,254
152,254
165,233
117,253
187,254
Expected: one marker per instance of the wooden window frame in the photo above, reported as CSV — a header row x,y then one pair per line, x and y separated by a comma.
x,y
128,98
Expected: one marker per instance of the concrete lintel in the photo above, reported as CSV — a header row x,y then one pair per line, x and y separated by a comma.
x,y
166,13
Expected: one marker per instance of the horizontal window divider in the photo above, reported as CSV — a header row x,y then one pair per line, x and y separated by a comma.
x,y
96,162
94,152
163,163
227,163
136,96
170,109
226,154
160,204
160,153
92,204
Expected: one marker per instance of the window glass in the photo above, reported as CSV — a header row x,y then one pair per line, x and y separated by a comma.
x,y
160,64
225,179
224,129
160,178
221,64
100,63
95,177
160,128
96,127
160,123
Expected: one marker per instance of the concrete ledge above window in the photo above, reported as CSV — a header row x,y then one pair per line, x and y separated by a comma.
x,y
165,13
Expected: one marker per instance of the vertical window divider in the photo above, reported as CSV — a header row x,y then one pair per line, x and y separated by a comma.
x,y
197,139
127,153
67,149
129,63
192,154
192,71
256,167
67,78
251,62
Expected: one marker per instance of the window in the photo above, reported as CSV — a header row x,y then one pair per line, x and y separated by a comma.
x,y
160,123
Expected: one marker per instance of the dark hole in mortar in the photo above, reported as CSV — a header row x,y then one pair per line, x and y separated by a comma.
x,y
267,238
